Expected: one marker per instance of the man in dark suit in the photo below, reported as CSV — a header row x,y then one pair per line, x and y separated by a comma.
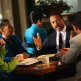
x,y
51,43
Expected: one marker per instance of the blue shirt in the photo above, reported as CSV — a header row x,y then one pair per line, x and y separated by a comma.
x,y
14,47
32,31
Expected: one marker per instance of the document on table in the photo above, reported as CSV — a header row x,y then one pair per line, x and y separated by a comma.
x,y
28,61
49,55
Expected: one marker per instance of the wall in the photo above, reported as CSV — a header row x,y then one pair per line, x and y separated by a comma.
x,y
16,18
76,5
22,8
79,5
22,17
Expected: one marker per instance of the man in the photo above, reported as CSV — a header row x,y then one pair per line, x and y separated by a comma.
x,y
36,27
73,55
51,44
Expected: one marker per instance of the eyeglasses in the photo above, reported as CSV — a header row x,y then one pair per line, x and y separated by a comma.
x,y
55,21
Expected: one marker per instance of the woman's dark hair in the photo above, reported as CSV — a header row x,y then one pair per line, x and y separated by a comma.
x,y
71,18
6,22
35,16
3,22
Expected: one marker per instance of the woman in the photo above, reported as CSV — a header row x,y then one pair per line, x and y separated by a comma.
x,y
13,45
7,67
36,20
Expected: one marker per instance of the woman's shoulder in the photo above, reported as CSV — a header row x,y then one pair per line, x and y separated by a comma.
x,y
28,30
14,37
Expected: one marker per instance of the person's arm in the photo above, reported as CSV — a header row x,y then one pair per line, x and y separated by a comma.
x,y
72,54
18,43
43,48
10,66
7,59
72,34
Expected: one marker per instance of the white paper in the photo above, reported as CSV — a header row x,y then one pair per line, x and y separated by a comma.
x,y
28,61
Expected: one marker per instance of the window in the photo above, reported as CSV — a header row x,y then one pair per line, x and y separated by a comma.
x,y
6,10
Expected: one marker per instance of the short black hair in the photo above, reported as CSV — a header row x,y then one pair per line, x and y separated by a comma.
x,y
35,16
71,18
77,20
55,13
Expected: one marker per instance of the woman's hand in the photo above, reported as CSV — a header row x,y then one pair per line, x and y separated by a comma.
x,y
19,58
2,43
25,55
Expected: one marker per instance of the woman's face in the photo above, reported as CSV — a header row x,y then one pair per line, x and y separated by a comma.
x,y
7,31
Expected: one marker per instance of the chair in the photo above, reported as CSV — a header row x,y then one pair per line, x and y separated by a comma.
x,y
24,45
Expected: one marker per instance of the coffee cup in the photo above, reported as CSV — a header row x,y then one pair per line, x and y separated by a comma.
x,y
45,59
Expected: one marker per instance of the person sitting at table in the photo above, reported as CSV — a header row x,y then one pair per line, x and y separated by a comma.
x,y
13,45
36,19
58,38
73,55
7,67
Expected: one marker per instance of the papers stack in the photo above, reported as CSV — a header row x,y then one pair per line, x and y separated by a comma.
x,y
28,61
49,55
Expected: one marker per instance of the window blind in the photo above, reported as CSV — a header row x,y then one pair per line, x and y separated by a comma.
x,y
4,8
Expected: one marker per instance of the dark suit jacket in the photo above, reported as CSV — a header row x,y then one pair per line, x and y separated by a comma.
x,y
49,45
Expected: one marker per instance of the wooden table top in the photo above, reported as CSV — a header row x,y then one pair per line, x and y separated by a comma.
x,y
40,68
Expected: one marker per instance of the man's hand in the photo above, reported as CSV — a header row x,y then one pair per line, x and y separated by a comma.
x,y
63,52
72,34
37,41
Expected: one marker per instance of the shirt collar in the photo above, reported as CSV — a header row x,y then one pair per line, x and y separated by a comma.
x,y
64,29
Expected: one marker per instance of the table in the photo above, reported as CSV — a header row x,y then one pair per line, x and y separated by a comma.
x,y
43,72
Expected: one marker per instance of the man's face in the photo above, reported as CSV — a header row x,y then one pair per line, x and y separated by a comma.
x,y
57,22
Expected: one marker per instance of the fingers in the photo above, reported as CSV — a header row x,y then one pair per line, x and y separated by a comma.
x,y
2,42
33,38
38,35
